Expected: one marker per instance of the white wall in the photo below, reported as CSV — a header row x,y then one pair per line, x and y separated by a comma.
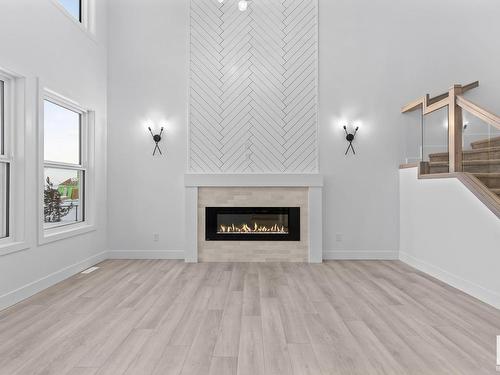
x,y
147,83
374,56
38,40
447,232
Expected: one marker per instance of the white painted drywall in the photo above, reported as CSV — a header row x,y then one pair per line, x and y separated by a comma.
x,y
447,232
374,56
148,84
37,39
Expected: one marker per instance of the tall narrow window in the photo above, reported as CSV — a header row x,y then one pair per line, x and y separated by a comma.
x,y
74,8
4,166
64,139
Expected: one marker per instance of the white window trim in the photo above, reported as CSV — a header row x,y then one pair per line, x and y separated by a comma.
x,y
87,23
47,235
14,142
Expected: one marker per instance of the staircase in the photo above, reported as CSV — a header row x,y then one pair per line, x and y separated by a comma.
x,y
478,168
482,161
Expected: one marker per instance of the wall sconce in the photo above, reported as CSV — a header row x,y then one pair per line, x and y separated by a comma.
x,y
350,138
156,139
242,5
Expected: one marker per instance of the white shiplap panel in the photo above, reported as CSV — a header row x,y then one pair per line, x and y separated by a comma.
x,y
253,87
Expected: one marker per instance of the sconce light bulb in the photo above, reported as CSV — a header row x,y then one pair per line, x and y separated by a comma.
x,y
357,128
345,127
243,5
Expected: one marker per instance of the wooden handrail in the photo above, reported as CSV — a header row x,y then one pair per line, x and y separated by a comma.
x,y
430,104
436,105
470,86
438,98
483,114
413,105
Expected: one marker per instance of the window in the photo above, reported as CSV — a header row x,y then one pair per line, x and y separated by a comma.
x,y
73,7
5,164
64,162
12,164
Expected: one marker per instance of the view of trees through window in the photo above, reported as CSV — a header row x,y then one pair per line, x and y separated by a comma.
x,y
61,197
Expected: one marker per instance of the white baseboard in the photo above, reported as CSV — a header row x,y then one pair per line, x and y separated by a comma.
x,y
466,286
34,287
360,255
146,254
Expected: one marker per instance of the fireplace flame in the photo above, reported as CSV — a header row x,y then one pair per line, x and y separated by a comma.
x,y
255,228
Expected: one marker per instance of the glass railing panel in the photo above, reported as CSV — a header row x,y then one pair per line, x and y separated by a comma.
x,y
412,137
435,141
481,150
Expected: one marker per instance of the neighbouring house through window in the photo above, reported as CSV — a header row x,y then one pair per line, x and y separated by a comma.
x,y
65,131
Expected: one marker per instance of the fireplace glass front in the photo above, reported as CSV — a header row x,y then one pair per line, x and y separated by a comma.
x,y
252,223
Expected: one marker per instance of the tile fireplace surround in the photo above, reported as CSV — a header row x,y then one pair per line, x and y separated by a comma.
x,y
254,190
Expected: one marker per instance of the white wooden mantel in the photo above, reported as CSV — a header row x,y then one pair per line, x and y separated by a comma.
x,y
314,182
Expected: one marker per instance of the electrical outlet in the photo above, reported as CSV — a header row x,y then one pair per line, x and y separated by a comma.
x,y
156,237
338,237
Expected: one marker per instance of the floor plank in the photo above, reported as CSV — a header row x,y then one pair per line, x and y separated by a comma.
x,y
166,317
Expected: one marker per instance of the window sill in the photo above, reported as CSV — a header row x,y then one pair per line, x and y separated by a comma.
x,y
10,247
61,233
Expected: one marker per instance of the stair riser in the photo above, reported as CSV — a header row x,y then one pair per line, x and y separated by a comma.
x,y
435,159
438,169
482,155
492,168
469,156
492,183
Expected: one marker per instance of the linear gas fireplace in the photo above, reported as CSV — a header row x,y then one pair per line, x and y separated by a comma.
x,y
252,223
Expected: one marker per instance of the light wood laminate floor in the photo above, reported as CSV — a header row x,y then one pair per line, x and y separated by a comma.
x,y
168,317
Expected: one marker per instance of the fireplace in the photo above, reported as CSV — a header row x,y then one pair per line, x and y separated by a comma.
x,y
252,223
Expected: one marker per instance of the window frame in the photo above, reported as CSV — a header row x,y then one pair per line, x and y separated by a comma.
x,y
84,22
14,156
6,147
85,166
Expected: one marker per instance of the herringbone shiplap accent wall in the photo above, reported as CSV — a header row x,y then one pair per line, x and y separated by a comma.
x,y
253,86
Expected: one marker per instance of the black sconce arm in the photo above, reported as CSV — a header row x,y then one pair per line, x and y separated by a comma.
x,y
350,138
156,139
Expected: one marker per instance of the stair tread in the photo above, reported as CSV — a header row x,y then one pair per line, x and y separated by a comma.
x,y
493,139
